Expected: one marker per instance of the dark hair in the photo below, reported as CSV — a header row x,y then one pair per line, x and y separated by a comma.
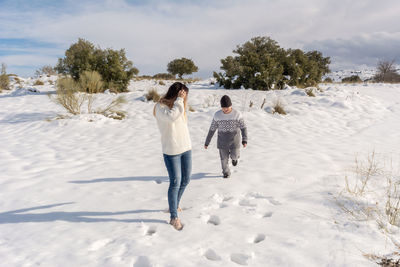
x,y
174,89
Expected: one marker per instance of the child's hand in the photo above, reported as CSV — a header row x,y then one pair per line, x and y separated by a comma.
x,y
205,147
244,145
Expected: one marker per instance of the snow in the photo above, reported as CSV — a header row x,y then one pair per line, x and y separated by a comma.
x,y
92,191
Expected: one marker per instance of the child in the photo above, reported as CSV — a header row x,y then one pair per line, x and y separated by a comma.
x,y
230,124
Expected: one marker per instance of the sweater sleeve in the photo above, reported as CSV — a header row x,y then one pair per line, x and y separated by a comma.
x,y
173,113
211,131
243,129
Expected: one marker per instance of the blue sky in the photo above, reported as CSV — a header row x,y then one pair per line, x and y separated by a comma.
x,y
353,33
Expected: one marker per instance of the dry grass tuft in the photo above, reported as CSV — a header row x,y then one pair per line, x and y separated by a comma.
x,y
38,82
112,110
310,92
392,209
152,94
4,78
278,107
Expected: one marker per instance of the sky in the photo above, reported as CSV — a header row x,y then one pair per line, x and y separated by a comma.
x,y
354,34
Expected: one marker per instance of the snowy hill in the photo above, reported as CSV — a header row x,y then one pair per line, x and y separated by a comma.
x,y
363,73
92,191
338,75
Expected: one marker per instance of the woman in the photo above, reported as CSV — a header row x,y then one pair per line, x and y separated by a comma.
x,y
170,113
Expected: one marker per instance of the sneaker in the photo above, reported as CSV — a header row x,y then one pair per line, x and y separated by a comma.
x,y
176,223
226,175
234,162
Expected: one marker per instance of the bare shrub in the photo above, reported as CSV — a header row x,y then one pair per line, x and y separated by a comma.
x,y
386,72
112,110
68,95
191,109
152,94
46,70
278,107
361,174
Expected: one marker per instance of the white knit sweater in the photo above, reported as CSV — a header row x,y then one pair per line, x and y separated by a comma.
x,y
172,124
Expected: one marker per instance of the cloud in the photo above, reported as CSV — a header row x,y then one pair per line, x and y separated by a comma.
x,y
366,49
155,32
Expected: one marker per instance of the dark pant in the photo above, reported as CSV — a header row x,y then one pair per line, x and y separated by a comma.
x,y
224,154
179,168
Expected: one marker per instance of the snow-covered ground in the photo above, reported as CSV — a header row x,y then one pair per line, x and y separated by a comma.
x,y
91,191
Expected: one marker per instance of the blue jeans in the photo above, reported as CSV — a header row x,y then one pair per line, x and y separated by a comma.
x,y
179,168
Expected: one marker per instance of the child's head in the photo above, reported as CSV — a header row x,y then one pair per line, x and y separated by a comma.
x,y
226,104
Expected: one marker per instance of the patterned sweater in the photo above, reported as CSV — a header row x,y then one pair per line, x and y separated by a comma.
x,y
229,128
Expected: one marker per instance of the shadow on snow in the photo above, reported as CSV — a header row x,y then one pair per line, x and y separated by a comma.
x,y
20,216
157,179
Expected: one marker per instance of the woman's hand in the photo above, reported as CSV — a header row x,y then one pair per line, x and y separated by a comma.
x,y
182,93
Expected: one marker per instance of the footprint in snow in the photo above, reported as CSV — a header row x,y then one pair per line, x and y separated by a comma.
x,y
212,255
259,238
214,220
273,201
227,198
223,205
257,195
151,230
247,203
267,214
240,258
142,261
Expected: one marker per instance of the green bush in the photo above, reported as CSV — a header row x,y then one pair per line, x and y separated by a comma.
x,y
164,76
4,79
352,79
181,66
261,64
328,80
115,69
